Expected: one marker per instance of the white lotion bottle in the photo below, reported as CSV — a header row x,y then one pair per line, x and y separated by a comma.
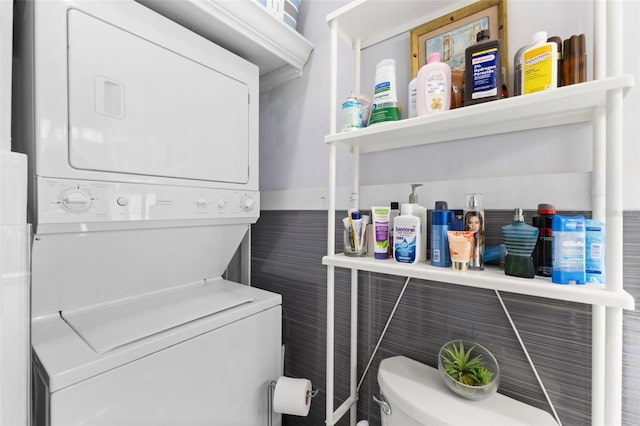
x,y
406,236
420,212
433,87
412,110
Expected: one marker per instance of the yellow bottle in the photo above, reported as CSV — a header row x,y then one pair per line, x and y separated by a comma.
x,y
540,65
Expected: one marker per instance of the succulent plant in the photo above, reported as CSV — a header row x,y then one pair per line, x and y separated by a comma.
x,y
459,364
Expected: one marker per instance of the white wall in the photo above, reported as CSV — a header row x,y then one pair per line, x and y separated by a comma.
x,y
512,170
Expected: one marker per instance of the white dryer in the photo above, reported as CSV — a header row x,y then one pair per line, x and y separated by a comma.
x,y
142,140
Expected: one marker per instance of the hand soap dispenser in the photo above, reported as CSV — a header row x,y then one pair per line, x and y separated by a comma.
x,y
520,240
420,212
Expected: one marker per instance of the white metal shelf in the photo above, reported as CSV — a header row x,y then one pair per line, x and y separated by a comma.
x,y
565,105
245,28
362,23
491,278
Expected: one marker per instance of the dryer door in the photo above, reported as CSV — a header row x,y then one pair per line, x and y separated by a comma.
x,y
136,107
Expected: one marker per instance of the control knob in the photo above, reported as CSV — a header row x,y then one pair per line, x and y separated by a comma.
x,y
247,203
75,200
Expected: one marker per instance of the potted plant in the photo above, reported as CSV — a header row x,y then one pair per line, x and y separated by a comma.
x,y
468,369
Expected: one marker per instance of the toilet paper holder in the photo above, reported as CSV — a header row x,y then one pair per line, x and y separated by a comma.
x,y
271,389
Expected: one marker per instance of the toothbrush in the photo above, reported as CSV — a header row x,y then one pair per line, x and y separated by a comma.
x,y
352,232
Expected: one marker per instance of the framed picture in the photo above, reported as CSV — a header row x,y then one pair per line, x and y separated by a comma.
x,y
451,34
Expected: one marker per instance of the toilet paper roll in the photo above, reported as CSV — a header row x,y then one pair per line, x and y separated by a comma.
x,y
292,396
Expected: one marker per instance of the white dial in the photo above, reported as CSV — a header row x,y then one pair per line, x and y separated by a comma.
x,y
201,202
247,203
75,200
222,202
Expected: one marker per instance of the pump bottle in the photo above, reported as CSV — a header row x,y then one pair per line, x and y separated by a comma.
x,y
420,212
407,236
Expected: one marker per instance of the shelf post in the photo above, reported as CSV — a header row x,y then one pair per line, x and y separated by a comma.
x,y
355,151
614,182
331,218
353,383
599,203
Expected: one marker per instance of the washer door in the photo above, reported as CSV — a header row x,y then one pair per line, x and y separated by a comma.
x,y
138,108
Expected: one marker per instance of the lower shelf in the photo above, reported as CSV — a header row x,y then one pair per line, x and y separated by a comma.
x,y
490,278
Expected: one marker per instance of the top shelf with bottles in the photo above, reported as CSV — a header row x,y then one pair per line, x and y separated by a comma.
x,y
565,105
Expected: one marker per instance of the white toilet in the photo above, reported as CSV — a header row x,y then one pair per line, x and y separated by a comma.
x,y
413,394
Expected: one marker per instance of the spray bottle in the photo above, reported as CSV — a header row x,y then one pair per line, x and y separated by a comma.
x,y
474,222
440,219
421,212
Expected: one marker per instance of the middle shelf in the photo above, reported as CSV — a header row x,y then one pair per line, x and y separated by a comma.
x,y
565,105
490,278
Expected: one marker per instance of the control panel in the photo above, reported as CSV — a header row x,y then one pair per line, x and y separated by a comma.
x,y
70,201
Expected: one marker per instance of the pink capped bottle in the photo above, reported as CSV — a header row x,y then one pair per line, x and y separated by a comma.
x,y
433,86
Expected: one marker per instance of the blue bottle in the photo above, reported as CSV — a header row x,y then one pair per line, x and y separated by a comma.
x,y
568,249
520,240
440,219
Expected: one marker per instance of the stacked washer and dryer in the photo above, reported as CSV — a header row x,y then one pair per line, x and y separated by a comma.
x,y
142,140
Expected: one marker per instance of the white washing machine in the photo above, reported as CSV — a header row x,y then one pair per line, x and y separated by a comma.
x,y
142,140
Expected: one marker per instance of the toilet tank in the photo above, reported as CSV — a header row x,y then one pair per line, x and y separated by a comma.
x,y
418,396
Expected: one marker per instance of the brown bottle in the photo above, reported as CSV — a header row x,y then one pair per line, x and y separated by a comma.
x,y
574,66
482,70
581,60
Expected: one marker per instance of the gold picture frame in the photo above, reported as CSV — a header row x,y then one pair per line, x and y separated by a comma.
x,y
451,34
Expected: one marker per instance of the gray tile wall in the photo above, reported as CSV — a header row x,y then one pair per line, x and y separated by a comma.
x,y
287,247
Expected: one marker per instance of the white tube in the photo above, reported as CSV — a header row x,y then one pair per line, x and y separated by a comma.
x,y
613,347
598,365
613,372
598,203
355,178
330,342
599,43
357,44
333,78
353,388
